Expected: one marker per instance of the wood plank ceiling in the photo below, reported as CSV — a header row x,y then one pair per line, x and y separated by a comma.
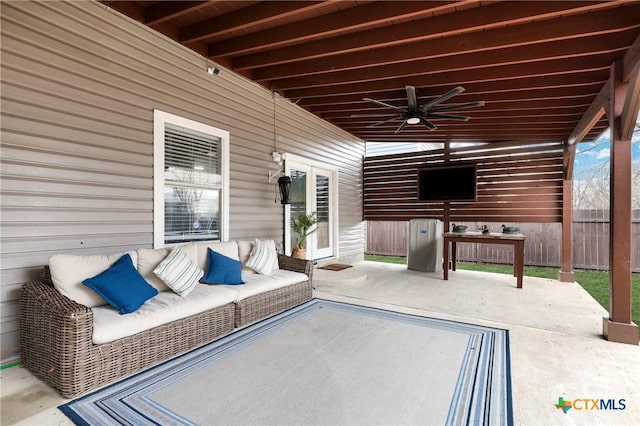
x,y
538,65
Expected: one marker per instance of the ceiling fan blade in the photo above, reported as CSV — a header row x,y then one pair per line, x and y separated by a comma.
x,y
427,123
450,94
411,97
404,123
381,103
452,107
382,122
449,116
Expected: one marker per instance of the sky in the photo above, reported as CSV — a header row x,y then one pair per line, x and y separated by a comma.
x,y
596,154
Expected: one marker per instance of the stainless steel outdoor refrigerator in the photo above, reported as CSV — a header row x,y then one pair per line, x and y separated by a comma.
x,y
424,248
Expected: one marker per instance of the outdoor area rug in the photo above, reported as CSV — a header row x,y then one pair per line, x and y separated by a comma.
x,y
322,362
335,267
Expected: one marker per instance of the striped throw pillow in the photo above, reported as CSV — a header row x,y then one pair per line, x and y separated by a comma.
x,y
263,259
179,272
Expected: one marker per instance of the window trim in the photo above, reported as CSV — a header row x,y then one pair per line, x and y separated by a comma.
x,y
160,118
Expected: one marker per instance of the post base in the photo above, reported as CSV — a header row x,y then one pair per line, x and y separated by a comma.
x,y
566,277
620,332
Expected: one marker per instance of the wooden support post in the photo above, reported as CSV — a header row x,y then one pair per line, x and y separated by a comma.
x,y
566,265
619,327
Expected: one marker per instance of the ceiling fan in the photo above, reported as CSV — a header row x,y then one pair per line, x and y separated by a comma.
x,y
414,113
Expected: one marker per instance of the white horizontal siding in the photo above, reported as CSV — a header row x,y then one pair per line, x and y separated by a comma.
x,y
79,86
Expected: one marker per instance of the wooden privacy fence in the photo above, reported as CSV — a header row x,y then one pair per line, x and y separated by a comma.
x,y
542,246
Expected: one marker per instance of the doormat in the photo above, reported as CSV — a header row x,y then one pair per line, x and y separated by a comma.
x,y
335,267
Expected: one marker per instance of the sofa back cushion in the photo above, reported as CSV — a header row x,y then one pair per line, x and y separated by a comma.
x,y
263,259
226,248
179,272
69,270
245,249
222,269
122,286
148,260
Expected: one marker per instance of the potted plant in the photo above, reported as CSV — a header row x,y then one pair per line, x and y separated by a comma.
x,y
301,230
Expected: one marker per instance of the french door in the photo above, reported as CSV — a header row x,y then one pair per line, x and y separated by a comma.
x,y
313,189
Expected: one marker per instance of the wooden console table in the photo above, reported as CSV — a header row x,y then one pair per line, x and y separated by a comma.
x,y
516,240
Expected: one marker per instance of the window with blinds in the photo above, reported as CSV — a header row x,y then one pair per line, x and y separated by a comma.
x,y
192,182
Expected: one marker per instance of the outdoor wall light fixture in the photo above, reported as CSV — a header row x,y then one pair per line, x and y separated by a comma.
x,y
284,185
284,182
213,70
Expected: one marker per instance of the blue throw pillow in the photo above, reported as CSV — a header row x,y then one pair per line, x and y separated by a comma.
x,y
122,286
222,269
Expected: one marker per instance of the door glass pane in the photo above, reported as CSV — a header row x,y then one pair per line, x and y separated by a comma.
x,y
322,208
298,196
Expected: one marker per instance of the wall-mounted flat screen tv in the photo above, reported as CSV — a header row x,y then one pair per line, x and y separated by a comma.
x,y
447,183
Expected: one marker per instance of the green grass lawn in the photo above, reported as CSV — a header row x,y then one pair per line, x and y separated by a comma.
x,y
595,283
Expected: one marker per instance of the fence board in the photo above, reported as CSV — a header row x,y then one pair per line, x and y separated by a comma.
x,y
542,246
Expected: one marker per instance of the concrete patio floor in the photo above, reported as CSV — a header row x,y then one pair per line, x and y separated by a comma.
x,y
555,341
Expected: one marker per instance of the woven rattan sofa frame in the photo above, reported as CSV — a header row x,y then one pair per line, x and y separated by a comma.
x,y
269,303
56,333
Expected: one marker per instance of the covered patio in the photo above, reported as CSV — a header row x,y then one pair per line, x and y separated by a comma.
x,y
554,330
538,78
317,79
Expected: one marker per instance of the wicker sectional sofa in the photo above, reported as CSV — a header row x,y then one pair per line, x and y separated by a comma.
x,y
57,333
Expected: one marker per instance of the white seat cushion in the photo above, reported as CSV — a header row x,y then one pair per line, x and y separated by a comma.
x,y
109,325
257,283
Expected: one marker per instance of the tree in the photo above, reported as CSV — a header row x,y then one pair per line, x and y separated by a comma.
x,y
591,184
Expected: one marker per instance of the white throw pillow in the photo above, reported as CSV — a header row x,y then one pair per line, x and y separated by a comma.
x,y
179,272
69,270
263,259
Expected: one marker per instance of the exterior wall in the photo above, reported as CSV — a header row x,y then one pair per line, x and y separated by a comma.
x,y
79,85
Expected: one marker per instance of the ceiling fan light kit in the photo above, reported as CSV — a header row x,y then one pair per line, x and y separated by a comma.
x,y
415,114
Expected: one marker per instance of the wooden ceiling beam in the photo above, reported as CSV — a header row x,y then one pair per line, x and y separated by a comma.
x,y
507,100
442,126
427,34
600,105
569,113
551,70
631,106
129,8
566,85
247,17
541,119
166,10
574,104
352,19
631,60
459,133
539,66
460,59
631,74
